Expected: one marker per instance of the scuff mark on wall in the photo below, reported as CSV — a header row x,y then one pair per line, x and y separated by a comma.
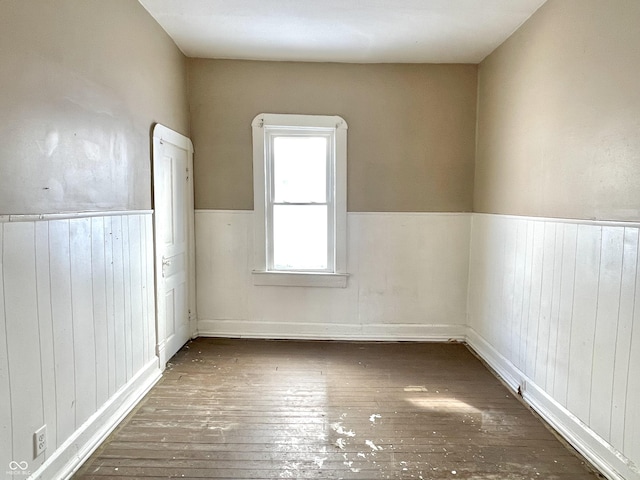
x,y
50,143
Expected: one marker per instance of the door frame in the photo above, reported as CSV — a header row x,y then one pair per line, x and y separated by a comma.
x,y
161,135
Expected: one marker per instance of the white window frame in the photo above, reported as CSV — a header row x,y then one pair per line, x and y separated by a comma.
x,y
265,126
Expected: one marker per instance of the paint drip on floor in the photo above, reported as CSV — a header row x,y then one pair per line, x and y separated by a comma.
x,y
372,445
339,429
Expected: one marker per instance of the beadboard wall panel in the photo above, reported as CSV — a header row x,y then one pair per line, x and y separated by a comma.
x,y
559,303
6,427
76,328
408,279
22,336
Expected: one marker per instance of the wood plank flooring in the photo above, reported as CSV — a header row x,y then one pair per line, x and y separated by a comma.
x,y
235,409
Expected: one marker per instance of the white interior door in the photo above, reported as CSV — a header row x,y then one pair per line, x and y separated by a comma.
x,y
173,223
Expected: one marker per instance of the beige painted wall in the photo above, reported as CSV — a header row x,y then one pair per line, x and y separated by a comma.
x,y
82,84
411,128
559,115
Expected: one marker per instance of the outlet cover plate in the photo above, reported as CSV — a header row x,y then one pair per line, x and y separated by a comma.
x,y
40,441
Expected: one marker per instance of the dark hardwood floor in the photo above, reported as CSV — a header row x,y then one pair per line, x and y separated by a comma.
x,y
257,409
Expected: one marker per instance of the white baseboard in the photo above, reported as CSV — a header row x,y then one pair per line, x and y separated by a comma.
x,y
610,462
325,331
503,367
76,449
72,454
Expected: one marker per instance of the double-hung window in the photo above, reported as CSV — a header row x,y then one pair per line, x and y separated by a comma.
x,y
299,166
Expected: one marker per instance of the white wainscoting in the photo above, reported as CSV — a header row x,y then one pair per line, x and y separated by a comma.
x,y
554,307
408,281
77,335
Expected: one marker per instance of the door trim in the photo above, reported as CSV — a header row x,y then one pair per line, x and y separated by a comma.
x,y
163,134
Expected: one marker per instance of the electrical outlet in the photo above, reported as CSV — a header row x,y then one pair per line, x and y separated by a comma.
x,y
40,441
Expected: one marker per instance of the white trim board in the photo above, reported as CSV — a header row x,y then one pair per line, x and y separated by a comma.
x,y
579,221
606,459
416,214
67,459
44,217
330,331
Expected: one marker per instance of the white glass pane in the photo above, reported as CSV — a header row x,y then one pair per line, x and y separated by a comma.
x,y
300,237
300,169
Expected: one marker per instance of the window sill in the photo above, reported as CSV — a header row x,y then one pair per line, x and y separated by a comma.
x,y
300,279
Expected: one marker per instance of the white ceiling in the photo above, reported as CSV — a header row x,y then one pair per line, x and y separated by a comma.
x,y
359,31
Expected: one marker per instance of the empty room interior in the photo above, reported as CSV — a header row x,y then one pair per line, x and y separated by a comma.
x,y
458,298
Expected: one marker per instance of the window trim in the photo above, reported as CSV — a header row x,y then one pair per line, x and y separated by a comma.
x,y
271,133
262,124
